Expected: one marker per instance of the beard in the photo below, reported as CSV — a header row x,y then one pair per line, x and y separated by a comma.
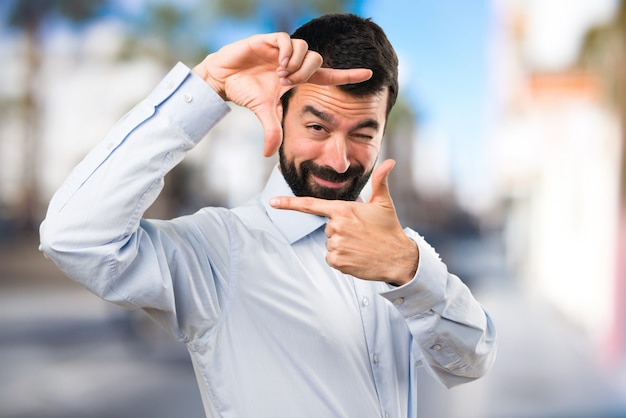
x,y
302,182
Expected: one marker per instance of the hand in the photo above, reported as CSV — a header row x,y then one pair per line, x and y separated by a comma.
x,y
365,240
256,71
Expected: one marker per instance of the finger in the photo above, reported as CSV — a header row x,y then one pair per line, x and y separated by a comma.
x,y
329,243
310,205
380,185
272,130
285,48
304,69
299,49
335,77
328,233
330,228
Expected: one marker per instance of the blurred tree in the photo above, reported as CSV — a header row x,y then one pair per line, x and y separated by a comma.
x,y
169,31
283,15
31,17
604,53
165,32
398,144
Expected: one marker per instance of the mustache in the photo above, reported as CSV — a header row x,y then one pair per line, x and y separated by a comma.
x,y
328,174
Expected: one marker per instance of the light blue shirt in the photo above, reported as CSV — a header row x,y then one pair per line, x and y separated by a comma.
x,y
271,329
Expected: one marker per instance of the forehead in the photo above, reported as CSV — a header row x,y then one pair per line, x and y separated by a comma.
x,y
339,103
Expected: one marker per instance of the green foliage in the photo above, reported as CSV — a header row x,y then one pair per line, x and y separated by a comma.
x,y
32,13
604,53
242,9
284,15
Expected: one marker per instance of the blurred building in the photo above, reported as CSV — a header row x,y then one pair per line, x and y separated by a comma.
x,y
558,158
77,98
83,86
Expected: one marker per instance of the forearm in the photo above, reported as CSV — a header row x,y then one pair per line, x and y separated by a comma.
x,y
101,203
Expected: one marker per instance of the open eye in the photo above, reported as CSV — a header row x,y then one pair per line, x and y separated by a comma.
x,y
316,127
316,130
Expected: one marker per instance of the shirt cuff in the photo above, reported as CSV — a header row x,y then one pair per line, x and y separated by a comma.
x,y
427,288
188,101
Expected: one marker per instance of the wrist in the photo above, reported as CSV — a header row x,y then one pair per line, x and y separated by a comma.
x,y
407,265
202,71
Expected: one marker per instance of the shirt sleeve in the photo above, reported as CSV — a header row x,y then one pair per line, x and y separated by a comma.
x,y
452,331
93,229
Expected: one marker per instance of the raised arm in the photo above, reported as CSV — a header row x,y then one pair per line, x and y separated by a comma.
x,y
93,228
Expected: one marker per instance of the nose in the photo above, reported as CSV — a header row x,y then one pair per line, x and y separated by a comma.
x,y
336,154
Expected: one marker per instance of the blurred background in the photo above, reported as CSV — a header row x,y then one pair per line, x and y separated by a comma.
x,y
509,137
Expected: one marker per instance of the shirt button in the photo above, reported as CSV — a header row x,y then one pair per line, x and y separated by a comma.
x,y
375,359
365,301
398,301
386,414
188,97
436,347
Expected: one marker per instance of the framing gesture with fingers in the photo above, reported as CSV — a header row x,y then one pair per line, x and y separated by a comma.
x,y
257,71
309,300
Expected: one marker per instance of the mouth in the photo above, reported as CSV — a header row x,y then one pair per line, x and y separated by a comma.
x,y
328,183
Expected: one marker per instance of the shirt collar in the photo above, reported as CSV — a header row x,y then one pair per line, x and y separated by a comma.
x,y
292,224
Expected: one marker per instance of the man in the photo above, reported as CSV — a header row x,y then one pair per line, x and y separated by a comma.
x,y
308,301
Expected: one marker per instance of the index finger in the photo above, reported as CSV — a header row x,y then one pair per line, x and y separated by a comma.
x,y
336,76
310,205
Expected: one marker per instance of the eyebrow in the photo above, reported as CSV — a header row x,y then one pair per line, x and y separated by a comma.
x,y
328,118
318,113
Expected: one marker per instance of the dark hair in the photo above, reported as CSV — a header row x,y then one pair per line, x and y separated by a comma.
x,y
350,41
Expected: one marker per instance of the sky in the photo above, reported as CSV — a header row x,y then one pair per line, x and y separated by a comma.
x,y
443,51
446,50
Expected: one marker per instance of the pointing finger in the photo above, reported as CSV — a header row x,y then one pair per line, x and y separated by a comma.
x,y
310,205
333,76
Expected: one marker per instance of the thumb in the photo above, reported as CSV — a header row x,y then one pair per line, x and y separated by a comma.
x,y
273,132
380,186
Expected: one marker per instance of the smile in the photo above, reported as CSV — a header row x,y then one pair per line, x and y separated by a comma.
x,y
329,184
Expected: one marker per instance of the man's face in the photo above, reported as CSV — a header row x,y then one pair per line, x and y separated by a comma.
x,y
331,141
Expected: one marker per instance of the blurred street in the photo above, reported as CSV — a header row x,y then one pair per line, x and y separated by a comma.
x,y
65,353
